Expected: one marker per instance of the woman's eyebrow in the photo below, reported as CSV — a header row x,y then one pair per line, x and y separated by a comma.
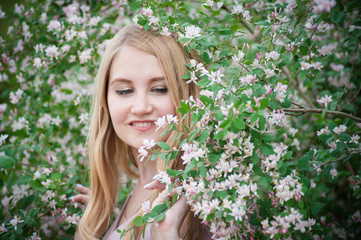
x,y
124,80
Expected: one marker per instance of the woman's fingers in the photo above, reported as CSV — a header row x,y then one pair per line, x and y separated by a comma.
x,y
155,184
82,189
84,196
81,198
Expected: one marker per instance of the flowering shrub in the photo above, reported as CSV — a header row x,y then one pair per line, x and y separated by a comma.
x,y
273,150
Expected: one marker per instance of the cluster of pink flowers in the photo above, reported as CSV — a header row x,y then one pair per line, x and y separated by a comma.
x,y
292,220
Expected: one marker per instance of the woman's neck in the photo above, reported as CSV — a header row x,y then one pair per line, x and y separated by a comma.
x,y
147,169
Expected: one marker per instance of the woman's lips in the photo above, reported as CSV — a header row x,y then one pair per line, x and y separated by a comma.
x,y
142,126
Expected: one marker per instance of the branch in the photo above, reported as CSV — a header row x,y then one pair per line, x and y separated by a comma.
x,y
242,22
288,74
313,110
336,160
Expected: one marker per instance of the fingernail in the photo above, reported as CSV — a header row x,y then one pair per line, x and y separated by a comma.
x,y
156,177
79,185
146,185
71,198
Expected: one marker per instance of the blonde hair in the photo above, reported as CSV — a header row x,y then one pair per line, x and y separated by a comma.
x,y
107,153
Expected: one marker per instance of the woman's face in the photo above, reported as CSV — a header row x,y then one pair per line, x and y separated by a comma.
x,y
137,96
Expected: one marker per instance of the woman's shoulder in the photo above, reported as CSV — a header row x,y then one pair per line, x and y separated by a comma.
x,y
115,223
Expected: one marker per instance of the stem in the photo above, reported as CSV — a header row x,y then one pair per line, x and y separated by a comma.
x,y
338,159
314,110
352,67
287,72
243,23
298,105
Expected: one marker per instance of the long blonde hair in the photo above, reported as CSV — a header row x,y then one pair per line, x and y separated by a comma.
x,y
108,155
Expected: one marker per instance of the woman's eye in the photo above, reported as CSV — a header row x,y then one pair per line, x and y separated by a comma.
x,y
161,90
124,92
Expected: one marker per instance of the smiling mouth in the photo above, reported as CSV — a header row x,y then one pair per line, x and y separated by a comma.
x,y
142,124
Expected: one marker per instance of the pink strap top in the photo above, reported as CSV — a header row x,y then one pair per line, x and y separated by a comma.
x,y
112,234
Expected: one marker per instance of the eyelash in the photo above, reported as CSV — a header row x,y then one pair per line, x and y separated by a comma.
x,y
124,92
129,91
161,90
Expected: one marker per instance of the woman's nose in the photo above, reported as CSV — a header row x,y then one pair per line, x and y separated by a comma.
x,y
141,105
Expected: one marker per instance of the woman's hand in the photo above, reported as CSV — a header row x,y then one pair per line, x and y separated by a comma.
x,y
169,227
84,195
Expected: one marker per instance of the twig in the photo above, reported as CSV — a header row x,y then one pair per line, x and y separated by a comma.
x,y
294,115
352,67
314,110
298,105
287,72
336,160
242,22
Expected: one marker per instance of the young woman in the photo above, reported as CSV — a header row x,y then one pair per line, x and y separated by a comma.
x,y
139,80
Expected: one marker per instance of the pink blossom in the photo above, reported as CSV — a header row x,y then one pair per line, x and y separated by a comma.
x,y
165,32
333,173
148,144
15,221
2,228
305,66
192,31
336,67
160,123
323,6
272,55
325,100
142,153
52,52
340,129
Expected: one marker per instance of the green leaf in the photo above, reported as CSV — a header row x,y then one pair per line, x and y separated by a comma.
x,y
203,82
190,166
219,135
206,100
255,158
213,158
203,137
254,117
323,137
288,155
219,115
286,103
56,176
186,76
138,221
238,123
267,149
337,16
159,217
264,103
263,181
184,39
268,137
7,162
316,207
159,208
225,31
273,105
163,145
203,171
172,173
205,58
24,179
303,161
303,49
340,146
344,137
